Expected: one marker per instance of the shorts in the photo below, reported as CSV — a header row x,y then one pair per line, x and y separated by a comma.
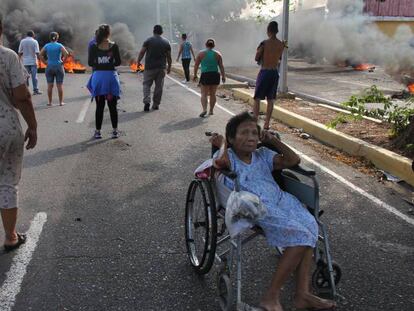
x,y
55,71
210,78
266,84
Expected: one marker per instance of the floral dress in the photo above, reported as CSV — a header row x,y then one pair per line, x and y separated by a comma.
x,y
12,75
287,223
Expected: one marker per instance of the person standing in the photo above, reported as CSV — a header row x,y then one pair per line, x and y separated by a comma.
x,y
54,51
104,83
14,95
268,56
157,51
186,50
29,52
210,61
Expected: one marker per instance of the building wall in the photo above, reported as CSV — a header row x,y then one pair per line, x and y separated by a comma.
x,y
390,27
401,8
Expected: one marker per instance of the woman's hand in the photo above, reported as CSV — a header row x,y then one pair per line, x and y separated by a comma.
x,y
31,137
266,137
223,79
217,140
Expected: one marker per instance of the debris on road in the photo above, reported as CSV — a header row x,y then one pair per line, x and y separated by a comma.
x,y
304,136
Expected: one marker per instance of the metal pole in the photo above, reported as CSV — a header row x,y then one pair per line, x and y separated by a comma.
x,y
170,20
285,36
158,12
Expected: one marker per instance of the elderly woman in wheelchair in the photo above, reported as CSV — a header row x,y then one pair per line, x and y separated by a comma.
x,y
287,224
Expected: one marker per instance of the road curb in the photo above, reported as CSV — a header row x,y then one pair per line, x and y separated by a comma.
x,y
384,159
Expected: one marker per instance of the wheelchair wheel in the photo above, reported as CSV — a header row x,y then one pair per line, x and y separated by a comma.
x,y
320,277
201,226
225,292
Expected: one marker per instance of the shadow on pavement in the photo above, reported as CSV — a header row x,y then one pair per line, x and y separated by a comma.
x,y
181,125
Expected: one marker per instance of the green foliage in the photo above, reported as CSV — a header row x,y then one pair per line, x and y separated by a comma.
x,y
397,116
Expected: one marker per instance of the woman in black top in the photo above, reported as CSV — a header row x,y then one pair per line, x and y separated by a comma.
x,y
104,83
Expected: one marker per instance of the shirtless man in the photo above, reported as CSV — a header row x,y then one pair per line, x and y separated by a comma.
x,y
268,56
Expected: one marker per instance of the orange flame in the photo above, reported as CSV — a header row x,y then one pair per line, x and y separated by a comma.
x,y
411,88
41,66
72,65
134,66
364,67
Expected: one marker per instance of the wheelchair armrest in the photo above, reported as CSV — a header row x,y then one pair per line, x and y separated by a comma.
x,y
306,171
228,173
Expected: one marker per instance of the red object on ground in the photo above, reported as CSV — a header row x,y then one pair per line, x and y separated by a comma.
x,y
364,67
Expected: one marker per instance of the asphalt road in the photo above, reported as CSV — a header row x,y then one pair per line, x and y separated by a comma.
x,y
114,235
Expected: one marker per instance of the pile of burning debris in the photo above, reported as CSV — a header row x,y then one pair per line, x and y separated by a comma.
x,y
408,80
134,66
70,64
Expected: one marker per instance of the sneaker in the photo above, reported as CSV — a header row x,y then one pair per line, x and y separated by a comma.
x,y
37,92
146,107
155,107
97,135
115,134
184,82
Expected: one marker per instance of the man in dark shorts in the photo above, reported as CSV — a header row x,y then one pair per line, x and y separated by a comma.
x,y
157,51
268,56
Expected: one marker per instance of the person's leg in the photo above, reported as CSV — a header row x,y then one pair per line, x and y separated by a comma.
x,y
269,111
288,263
159,85
50,93
146,84
99,113
304,298
9,218
29,71
60,93
204,99
213,98
113,112
35,80
186,67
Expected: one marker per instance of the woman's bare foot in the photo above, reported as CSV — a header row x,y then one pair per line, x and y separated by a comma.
x,y
307,300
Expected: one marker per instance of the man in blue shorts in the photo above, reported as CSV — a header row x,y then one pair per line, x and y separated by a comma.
x,y
268,56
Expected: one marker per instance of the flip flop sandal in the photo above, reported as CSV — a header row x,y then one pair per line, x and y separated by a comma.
x,y
21,239
203,114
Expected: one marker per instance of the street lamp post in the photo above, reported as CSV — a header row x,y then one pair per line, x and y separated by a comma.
x,y
285,35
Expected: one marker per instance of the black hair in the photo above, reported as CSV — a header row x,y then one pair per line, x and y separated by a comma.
x,y
30,33
234,123
158,30
273,27
53,36
102,32
184,36
210,43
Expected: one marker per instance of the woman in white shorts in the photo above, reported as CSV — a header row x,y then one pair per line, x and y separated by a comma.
x,y
13,95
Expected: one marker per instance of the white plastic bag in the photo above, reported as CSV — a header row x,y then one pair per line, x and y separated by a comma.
x,y
242,210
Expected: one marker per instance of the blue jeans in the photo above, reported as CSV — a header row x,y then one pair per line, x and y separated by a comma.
x,y
32,70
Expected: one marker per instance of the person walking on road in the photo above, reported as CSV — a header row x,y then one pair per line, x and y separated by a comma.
x,y
29,52
14,95
268,56
51,54
157,51
211,61
185,51
104,83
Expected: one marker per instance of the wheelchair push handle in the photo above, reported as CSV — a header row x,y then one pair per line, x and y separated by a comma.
x,y
306,171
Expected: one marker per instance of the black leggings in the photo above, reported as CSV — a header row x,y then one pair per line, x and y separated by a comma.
x,y
186,66
100,106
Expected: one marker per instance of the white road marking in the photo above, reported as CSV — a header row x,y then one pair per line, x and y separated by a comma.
x,y
14,278
338,177
83,111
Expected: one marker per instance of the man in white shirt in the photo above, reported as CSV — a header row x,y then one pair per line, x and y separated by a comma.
x,y
29,51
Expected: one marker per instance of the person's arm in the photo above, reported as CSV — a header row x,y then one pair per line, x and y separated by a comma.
x,y
285,158
221,66
43,56
222,162
65,53
91,57
169,60
197,64
37,50
23,101
259,52
141,55
20,50
192,51
117,56
180,51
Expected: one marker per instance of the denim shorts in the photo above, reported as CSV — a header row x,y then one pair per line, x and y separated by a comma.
x,y
55,71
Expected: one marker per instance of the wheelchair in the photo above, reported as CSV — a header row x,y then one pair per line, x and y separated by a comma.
x,y
208,241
